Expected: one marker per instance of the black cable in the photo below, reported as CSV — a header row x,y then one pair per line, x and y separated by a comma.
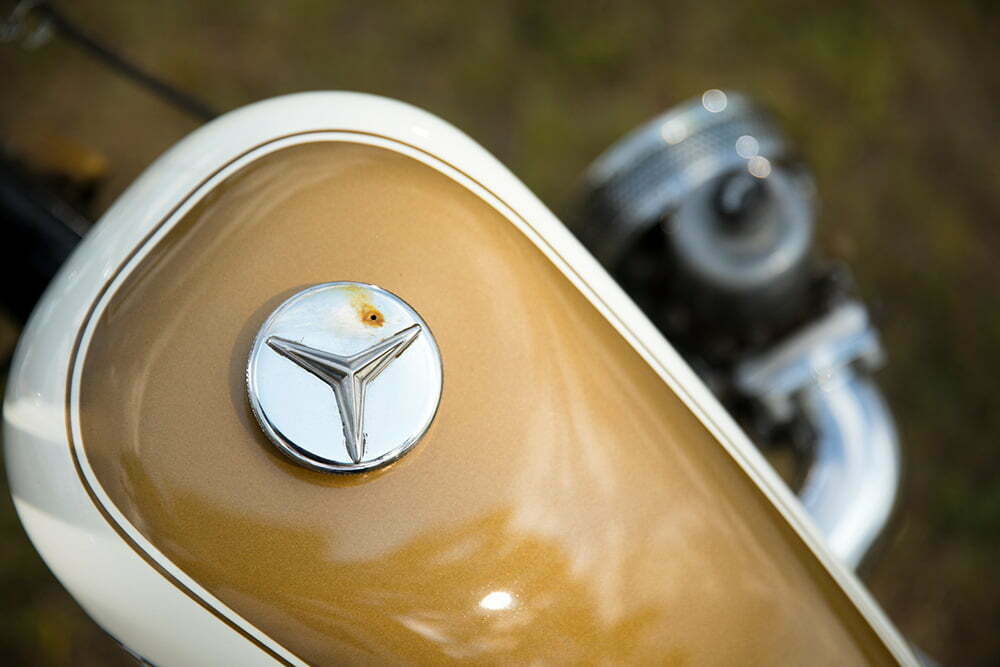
x,y
66,28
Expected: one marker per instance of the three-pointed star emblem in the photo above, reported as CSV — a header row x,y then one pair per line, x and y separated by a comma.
x,y
348,377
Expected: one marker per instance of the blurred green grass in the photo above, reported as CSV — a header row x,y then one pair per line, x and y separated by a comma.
x,y
895,104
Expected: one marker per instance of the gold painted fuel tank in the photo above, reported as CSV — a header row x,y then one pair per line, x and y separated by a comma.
x,y
565,506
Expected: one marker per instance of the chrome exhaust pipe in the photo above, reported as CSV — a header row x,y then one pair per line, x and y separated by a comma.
x,y
820,376
851,486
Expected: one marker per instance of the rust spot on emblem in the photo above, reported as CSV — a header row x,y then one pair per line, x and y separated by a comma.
x,y
368,313
371,316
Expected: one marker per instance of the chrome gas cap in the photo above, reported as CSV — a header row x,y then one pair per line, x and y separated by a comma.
x,y
344,377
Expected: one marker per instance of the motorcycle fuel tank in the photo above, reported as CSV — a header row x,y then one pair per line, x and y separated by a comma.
x,y
461,441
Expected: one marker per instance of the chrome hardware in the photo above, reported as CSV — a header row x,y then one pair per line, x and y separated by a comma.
x,y
706,217
820,373
312,376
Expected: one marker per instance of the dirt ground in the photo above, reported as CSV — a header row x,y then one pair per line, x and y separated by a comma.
x,y
896,105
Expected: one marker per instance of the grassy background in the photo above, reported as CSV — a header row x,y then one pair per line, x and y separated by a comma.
x,y
896,105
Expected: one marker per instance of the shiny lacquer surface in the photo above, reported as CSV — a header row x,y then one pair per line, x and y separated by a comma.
x,y
564,506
